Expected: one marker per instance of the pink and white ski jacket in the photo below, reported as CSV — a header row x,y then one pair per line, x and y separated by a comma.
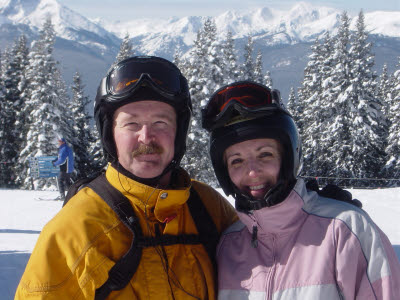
x,y
309,247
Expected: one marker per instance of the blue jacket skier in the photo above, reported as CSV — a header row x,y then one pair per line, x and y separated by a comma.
x,y
66,162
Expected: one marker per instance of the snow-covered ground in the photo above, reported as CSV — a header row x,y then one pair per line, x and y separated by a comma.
x,y
24,213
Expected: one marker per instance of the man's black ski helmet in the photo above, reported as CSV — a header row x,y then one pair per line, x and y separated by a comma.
x,y
141,78
247,110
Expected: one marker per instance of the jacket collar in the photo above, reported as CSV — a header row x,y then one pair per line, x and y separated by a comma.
x,y
160,204
279,219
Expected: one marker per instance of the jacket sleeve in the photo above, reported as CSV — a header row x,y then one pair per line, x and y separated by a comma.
x,y
47,274
66,263
62,156
366,264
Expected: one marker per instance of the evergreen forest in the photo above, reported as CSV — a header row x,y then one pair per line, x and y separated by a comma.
x,y
347,114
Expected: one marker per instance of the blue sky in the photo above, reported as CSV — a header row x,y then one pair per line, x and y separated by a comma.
x,y
123,10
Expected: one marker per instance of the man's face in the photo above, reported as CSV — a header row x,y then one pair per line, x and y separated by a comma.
x,y
144,135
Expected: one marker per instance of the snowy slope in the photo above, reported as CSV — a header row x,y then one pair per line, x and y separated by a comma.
x,y
22,217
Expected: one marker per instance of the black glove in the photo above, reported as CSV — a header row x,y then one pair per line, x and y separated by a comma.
x,y
334,192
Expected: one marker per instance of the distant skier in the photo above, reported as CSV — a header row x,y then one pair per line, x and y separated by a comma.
x,y
66,162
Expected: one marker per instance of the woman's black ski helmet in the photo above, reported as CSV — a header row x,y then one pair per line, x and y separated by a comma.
x,y
247,110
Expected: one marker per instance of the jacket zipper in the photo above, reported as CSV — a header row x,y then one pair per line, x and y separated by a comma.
x,y
271,277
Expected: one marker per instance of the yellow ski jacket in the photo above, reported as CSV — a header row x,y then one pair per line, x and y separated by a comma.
x,y
78,247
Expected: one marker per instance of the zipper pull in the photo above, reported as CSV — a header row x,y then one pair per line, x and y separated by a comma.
x,y
254,241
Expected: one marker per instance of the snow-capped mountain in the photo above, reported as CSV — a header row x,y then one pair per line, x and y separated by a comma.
x,y
69,25
81,45
284,37
302,23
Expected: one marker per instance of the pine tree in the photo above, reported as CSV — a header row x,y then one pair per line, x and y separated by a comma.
x,y
14,84
203,72
98,161
215,67
369,126
292,104
231,66
392,166
258,70
7,119
125,50
299,112
3,128
337,149
62,103
312,112
83,139
268,79
385,88
178,58
247,70
43,117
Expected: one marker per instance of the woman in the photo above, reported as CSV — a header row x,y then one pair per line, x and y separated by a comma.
x,y
290,243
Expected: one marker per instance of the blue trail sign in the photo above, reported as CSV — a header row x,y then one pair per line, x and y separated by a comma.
x,y
42,167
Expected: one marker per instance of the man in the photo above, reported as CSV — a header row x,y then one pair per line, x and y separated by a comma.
x,y
66,162
142,111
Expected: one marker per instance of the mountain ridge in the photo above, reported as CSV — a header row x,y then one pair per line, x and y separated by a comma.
x,y
283,37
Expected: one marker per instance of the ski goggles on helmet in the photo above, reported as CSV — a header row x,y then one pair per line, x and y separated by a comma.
x,y
244,98
130,74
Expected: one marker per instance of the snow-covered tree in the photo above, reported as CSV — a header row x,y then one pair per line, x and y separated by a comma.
x,y
247,69
125,50
337,140
312,111
298,116
268,79
178,58
343,125
215,67
232,71
258,69
13,78
369,126
292,103
43,115
204,73
385,88
392,166
3,129
83,141
62,105
7,118
259,75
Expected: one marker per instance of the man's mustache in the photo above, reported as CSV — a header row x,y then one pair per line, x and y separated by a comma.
x,y
152,148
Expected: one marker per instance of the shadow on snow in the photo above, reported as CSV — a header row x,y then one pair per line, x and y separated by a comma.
x,y
19,231
12,265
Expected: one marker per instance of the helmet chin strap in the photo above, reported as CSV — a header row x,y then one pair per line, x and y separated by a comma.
x,y
246,203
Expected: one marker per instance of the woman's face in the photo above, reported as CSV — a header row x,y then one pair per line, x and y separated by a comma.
x,y
254,165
